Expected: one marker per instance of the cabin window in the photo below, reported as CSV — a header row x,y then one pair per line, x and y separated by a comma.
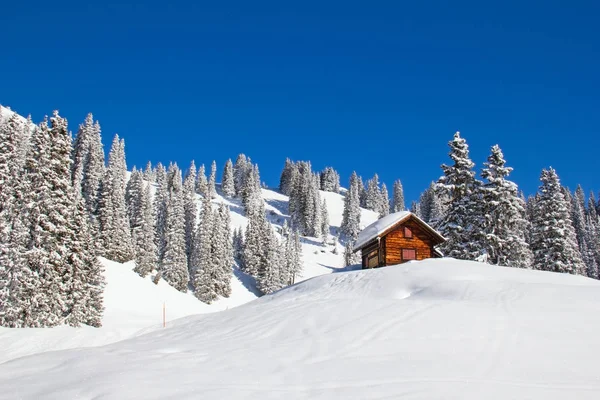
x,y
409,254
373,260
408,232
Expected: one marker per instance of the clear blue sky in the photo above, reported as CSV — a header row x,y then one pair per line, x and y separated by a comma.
x,y
367,86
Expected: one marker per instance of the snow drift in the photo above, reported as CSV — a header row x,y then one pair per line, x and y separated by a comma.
x,y
424,330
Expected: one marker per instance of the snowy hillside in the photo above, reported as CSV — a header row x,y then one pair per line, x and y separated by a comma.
x,y
424,330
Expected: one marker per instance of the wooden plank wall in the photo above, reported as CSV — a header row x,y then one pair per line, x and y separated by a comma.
x,y
395,242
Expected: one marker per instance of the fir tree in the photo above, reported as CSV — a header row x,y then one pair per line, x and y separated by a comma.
x,y
324,221
146,259
88,163
504,229
173,263
115,234
462,222
204,269
351,215
384,208
330,180
241,171
222,251
212,191
149,173
227,182
190,210
160,208
553,238
133,197
373,195
285,181
202,182
398,197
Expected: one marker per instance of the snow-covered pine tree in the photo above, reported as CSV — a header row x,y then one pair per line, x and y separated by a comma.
x,y
373,195
251,193
286,181
133,197
254,245
88,163
578,216
146,253
315,218
149,173
553,238
398,197
160,208
384,208
238,246
350,258
461,224
83,280
505,225
330,180
212,179
115,234
222,251
173,263
296,265
17,281
324,221
241,171
202,266
351,215
190,210
227,182
53,234
201,182
269,274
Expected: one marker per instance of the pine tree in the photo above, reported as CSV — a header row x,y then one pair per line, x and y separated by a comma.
x,y
222,251
17,282
269,275
384,208
115,234
173,263
238,246
190,210
88,163
149,173
204,269
227,182
296,264
349,257
133,197
351,216
251,193
330,180
373,195
324,221
462,222
398,197
503,232
241,171
553,238
160,208
285,181
146,259
201,182
212,191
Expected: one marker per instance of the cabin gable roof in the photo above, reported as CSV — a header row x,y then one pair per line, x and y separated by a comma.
x,y
385,225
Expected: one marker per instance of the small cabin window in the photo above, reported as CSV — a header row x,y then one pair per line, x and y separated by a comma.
x,y
409,254
373,260
408,232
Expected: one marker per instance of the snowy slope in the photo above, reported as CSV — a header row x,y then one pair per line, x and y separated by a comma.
x,y
435,329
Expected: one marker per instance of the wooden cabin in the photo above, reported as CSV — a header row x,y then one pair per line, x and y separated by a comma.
x,y
397,238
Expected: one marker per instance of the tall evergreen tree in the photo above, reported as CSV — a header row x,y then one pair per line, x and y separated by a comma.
x,y
161,197
202,182
351,215
173,261
324,221
112,211
504,229
146,252
373,196
330,180
133,197
204,269
241,171
222,251
285,181
149,173
88,163
227,182
190,210
553,238
398,197
462,222
212,191
384,208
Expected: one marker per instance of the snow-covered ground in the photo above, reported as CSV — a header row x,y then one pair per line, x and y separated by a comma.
x,y
434,329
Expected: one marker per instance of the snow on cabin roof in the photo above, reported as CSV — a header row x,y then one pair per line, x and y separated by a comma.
x,y
383,224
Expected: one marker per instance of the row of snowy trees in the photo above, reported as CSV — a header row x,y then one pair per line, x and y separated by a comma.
x,y
49,272
491,221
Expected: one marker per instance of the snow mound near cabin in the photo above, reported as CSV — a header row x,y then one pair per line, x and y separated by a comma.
x,y
434,329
